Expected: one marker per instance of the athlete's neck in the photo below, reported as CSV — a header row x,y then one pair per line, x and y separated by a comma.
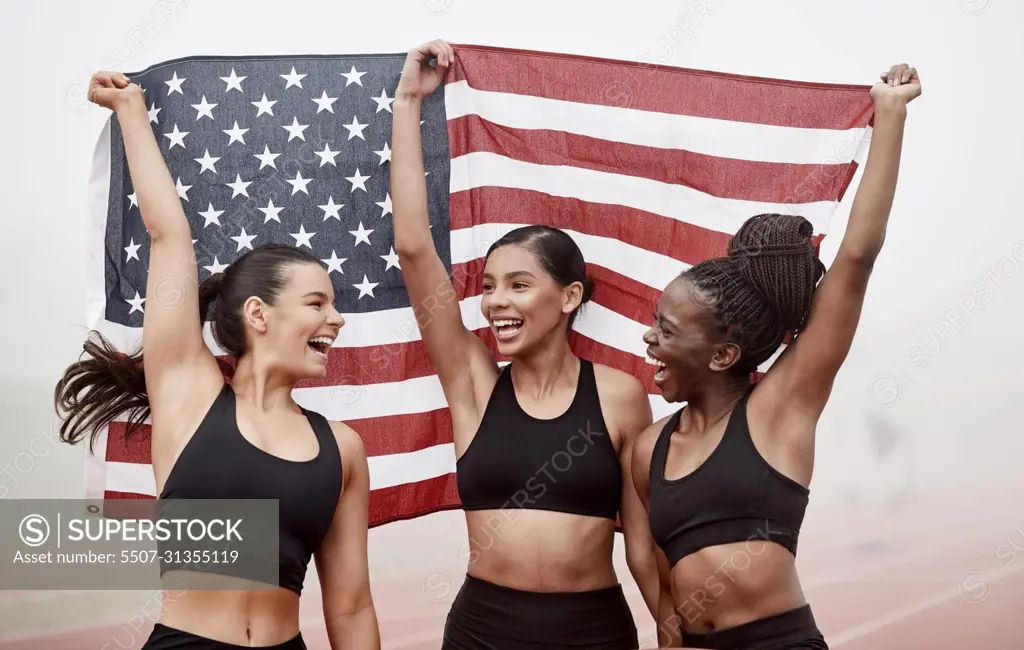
x,y
258,384
544,371
713,403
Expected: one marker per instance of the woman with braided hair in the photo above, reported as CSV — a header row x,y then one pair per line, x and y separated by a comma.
x,y
725,480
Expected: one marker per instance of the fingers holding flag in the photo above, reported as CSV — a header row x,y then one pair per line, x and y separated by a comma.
x,y
109,89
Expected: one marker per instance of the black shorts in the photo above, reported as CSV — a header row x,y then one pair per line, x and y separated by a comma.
x,y
486,616
792,630
169,638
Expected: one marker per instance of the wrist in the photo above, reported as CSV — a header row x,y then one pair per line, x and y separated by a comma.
x,y
891,107
407,101
130,103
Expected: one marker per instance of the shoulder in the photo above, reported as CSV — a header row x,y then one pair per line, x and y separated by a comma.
x,y
350,446
647,438
619,389
643,452
348,440
624,402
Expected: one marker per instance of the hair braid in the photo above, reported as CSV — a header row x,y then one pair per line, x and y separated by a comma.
x,y
763,289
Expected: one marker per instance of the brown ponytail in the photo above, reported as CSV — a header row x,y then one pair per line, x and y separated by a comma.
x,y
113,383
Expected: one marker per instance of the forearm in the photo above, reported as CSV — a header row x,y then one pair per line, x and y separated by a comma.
x,y
358,630
156,193
408,184
645,573
668,622
869,215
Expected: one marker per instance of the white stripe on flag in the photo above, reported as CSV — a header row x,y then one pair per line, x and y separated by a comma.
x,y
420,465
131,477
97,193
653,269
385,471
710,136
684,204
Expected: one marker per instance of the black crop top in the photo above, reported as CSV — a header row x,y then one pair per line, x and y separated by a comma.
x,y
219,463
565,464
734,496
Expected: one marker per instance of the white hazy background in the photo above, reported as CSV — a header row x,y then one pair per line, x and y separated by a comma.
x,y
946,377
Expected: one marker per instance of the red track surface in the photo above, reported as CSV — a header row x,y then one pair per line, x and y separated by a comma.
x,y
945,577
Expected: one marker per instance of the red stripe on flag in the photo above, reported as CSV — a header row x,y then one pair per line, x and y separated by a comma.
x,y
682,241
399,434
391,434
114,494
728,178
136,449
647,87
376,364
413,500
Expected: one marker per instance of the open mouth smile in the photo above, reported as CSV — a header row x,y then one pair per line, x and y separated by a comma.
x,y
662,373
506,329
320,346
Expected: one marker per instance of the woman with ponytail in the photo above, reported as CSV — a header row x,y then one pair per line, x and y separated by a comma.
x,y
725,480
543,444
272,311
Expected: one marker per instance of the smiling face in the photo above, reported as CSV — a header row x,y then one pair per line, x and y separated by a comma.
x,y
686,343
297,331
522,302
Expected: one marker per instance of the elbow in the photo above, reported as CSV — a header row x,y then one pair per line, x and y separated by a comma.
x,y
412,250
861,257
632,563
864,261
349,606
166,227
863,251
640,561
407,250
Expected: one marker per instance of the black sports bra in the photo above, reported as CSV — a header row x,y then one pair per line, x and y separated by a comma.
x,y
565,464
734,496
219,463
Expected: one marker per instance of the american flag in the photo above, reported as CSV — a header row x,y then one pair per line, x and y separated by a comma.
x,y
649,168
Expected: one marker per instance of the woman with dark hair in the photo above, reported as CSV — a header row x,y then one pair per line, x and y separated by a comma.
x,y
726,478
273,311
542,445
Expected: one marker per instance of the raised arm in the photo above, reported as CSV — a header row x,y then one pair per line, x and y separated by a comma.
x,y
341,561
460,359
806,371
172,336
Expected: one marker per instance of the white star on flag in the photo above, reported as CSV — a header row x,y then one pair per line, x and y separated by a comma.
x,y
358,181
334,264
233,82
293,79
352,77
366,287
302,238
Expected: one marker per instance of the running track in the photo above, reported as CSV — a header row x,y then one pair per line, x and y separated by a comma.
x,y
944,575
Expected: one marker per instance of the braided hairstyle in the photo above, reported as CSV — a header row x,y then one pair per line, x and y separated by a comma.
x,y
763,289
